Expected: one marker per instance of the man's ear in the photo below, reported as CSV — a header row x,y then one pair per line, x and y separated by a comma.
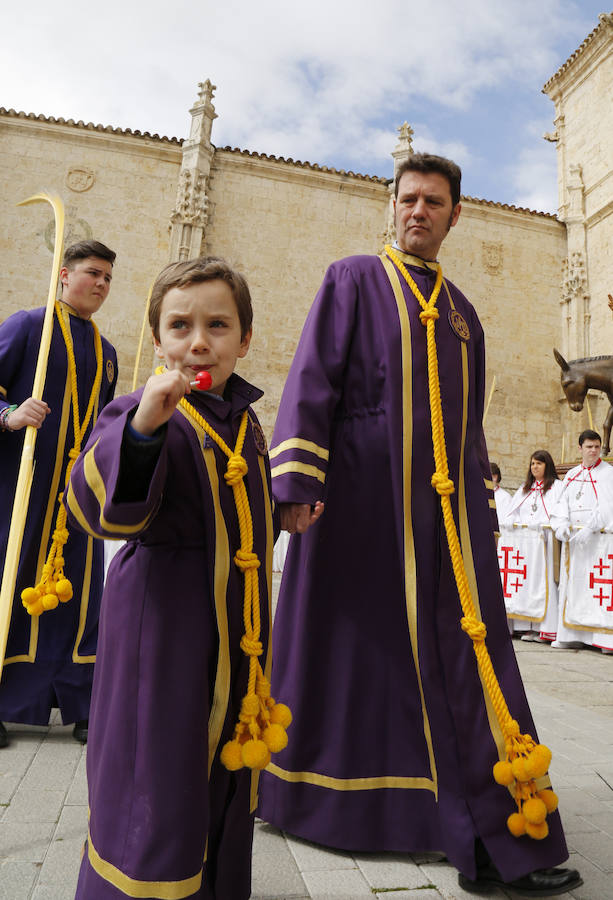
x,y
455,215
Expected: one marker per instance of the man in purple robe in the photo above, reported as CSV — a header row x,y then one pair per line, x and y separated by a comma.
x,y
394,735
50,659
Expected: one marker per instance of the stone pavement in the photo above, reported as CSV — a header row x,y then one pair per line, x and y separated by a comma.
x,y
43,805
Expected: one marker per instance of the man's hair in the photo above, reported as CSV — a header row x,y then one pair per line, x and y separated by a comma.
x,y
589,435
427,162
195,271
84,249
550,471
496,470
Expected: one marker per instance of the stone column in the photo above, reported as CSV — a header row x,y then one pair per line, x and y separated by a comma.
x,y
575,298
402,151
189,217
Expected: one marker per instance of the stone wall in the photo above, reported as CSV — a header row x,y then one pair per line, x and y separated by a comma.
x,y
282,223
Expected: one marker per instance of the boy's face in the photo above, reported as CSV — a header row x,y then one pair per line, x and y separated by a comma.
x,y
200,329
85,287
590,452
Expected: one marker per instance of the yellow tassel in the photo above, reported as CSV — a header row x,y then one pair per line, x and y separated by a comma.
x,y
256,733
534,811
550,799
525,760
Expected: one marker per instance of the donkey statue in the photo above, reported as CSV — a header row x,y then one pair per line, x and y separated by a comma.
x,y
578,376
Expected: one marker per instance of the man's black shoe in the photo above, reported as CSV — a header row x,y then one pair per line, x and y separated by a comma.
x,y
4,736
79,732
540,883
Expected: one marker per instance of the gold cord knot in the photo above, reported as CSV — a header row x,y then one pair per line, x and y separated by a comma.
x,y
236,469
475,629
426,314
442,484
251,647
73,453
246,560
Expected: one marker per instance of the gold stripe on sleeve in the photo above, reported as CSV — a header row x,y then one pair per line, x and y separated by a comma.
x,y
489,484
491,503
96,484
299,444
300,468
3,392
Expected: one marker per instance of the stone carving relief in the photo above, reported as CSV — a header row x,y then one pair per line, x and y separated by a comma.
x,y
80,179
75,230
574,277
492,256
191,203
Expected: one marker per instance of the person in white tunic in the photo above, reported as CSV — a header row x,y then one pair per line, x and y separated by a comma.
x,y
584,509
531,508
502,498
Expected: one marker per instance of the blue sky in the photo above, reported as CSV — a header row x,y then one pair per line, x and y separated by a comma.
x,y
329,81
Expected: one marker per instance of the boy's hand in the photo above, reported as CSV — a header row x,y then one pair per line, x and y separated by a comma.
x,y
297,517
159,400
30,412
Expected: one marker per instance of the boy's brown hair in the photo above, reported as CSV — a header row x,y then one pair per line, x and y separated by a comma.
x,y
195,271
83,250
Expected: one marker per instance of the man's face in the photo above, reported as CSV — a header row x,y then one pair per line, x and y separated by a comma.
x,y
424,213
86,285
590,452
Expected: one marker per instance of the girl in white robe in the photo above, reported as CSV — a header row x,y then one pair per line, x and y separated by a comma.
x,y
531,507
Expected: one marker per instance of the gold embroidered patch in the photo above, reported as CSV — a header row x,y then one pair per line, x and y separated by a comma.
x,y
459,325
259,439
110,370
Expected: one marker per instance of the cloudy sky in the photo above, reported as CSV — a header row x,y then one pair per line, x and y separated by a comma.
x,y
327,81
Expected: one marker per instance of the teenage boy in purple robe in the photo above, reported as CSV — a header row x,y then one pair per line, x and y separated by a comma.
x,y
167,817
394,735
50,658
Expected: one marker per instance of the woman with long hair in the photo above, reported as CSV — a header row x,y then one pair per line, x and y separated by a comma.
x,y
531,508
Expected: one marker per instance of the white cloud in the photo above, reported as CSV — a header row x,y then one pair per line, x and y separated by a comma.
x,y
314,81
534,174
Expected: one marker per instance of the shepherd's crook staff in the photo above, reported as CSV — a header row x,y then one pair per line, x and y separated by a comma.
x,y
140,342
26,466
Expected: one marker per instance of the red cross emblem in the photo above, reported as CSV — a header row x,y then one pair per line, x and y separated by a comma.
x,y
506,570
602,595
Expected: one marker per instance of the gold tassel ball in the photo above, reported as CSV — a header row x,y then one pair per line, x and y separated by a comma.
x,y
503,773
550,799
538,832
232,756
516,824
281,714
534,811
275,738
256,755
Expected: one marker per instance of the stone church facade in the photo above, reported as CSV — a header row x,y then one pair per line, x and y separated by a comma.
x,y
537,280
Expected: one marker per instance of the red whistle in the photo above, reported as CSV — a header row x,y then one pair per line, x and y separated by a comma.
x,y
202,381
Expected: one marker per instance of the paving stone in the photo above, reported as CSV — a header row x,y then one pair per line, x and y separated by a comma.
x,y
576,824
597,848
8,786
419,894
61,864
54,892
339,884
596,884
390,870
17,879
34,806
311,857
72,824
19,840
50,775
576,802
276,875
593,785
445,877
603,822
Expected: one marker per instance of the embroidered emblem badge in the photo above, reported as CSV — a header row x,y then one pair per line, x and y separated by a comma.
x,y
458,324
110,370
207,442
259,439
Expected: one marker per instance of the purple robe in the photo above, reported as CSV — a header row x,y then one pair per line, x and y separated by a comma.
x,y
170,674
393,740
49,660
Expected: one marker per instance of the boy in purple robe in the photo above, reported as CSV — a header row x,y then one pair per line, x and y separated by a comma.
x,y
395,735
167,817
50,658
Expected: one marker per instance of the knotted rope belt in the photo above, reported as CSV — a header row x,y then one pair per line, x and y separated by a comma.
x,y
54,587
525,760
260,729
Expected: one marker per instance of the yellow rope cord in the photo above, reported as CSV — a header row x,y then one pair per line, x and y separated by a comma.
x,y
53,586
261,724
525,760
